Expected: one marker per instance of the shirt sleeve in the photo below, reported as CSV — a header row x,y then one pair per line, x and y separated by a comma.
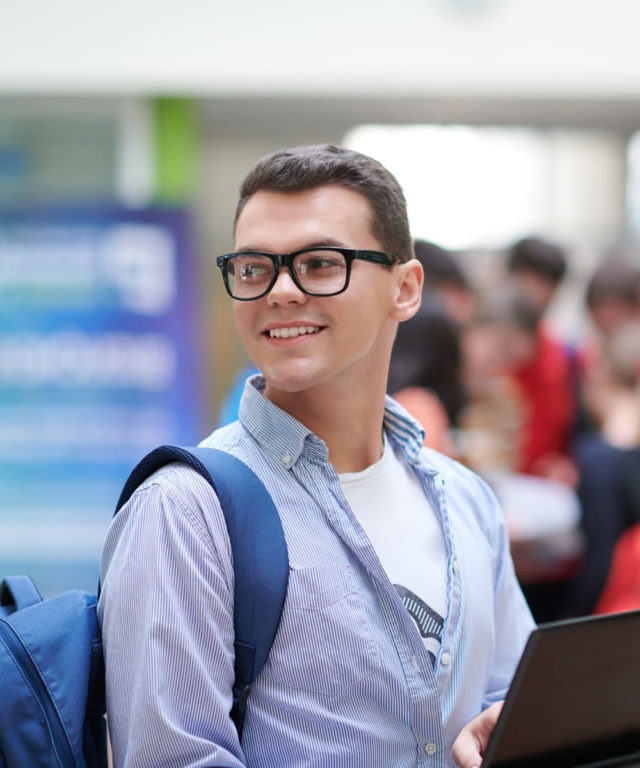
x,y
513,621
166,611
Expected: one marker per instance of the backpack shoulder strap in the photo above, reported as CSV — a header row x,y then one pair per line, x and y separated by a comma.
x,y
260,559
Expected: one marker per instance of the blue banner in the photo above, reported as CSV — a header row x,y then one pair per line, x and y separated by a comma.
x,y
99,350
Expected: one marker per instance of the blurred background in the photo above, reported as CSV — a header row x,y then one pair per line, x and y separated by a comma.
x,y
125,130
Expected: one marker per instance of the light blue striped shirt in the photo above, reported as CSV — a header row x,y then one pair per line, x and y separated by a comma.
x,y
348,682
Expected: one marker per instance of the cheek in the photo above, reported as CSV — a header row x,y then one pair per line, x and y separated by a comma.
x,y
242,318
368,326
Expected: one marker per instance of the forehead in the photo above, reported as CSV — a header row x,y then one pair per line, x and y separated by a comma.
x,y
283,221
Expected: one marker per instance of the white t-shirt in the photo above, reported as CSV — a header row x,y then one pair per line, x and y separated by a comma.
x,y
396,515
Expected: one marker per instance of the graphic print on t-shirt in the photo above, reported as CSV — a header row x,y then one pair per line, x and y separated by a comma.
x,y
428,621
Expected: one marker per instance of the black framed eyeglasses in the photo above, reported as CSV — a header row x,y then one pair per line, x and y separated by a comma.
x,y
323,271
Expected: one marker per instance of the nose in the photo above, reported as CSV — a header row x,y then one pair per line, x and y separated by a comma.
x,y
284,290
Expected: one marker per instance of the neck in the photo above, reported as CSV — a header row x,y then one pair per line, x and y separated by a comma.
x,y
351,426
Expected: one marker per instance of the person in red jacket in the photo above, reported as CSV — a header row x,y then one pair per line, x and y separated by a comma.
x,y
547,378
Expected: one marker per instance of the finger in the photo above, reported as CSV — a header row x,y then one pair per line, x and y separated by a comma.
x,y
466,751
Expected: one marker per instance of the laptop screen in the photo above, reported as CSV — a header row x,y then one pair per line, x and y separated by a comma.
x,y
575,697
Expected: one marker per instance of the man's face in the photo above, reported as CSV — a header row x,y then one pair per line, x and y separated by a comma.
x,y
300,342
537,290
610,314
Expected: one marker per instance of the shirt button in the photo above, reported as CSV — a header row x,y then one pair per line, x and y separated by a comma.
x,y
445,659
286,458
456,567
430,748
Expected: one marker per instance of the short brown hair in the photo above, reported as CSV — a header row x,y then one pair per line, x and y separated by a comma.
x,y
541,257
301,168
616,279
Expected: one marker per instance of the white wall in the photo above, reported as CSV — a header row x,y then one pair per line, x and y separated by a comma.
x,y
208,47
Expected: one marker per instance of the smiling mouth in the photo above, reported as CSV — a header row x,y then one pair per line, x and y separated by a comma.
x,y
291,333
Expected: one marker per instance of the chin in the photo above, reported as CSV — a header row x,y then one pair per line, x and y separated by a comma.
x,y
291,383
288,387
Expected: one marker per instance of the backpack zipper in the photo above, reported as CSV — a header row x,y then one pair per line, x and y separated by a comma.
x,y
20,654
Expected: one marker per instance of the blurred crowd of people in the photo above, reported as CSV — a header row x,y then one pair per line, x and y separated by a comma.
x,y
553,424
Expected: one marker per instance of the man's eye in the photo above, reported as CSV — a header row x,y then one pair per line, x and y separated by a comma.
x,y
253,272
321,264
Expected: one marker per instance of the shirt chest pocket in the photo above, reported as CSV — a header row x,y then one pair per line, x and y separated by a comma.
x,y
324,643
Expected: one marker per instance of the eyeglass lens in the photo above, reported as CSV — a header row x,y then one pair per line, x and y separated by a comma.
x,y
318,272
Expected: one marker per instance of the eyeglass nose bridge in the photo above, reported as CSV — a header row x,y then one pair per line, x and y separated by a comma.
x,y
284,260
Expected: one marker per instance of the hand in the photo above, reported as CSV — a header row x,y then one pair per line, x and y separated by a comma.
x,y
471,742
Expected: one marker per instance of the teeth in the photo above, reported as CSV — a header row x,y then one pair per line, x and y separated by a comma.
x,y
291,333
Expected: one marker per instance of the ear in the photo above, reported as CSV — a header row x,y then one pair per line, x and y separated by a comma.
x,y
409,282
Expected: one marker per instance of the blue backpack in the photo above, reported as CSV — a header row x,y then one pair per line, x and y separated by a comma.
x,y
52,702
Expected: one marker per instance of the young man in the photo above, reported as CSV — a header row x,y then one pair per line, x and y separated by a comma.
x,y
403,619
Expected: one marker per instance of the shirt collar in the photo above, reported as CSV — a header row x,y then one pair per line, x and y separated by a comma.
x,y
277,433
285,438
403,429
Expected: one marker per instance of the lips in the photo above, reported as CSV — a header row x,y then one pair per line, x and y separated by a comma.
x,y
290,332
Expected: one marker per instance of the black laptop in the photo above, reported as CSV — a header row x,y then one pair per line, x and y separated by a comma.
x,y
574,701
